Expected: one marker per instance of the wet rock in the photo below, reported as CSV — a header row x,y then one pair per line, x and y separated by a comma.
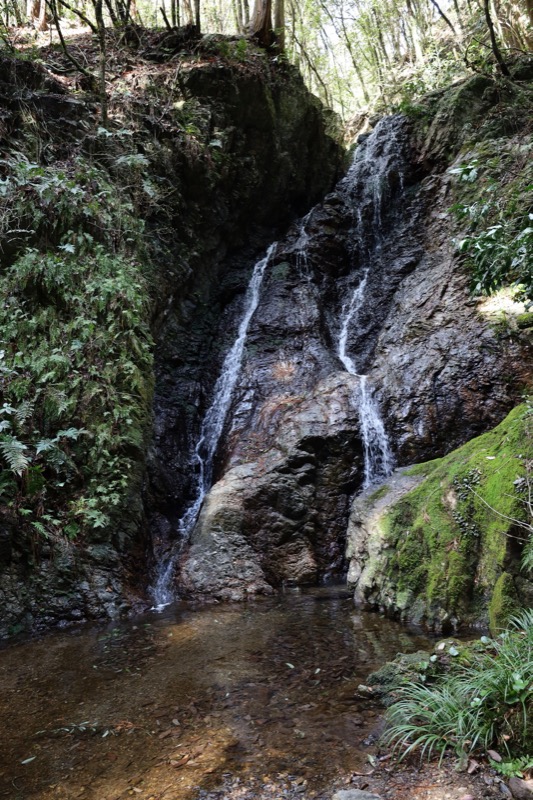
x,y
293,452
280,515
366,544
439,365
405,668
520,789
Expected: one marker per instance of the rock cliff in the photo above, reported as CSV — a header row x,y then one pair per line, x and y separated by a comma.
x,y
440,371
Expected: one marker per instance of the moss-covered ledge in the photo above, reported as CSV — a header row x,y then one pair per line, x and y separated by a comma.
x,y
443,545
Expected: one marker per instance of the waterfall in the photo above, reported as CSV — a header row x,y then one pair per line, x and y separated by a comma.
x,y
354,305
369,183
378,460
211,431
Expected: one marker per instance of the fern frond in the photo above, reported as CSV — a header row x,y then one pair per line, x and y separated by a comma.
x,y
13,452
71,433
24,411
44,446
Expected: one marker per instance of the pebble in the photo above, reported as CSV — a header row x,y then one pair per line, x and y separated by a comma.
x,y
354,794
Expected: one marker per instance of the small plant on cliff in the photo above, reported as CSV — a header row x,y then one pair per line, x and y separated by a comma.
x,y
496,205
485,700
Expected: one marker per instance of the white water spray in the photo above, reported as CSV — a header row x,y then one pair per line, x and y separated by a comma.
x,y
378,460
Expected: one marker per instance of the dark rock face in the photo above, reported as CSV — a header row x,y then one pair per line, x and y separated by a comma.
x,y
292,455
443,372
279,161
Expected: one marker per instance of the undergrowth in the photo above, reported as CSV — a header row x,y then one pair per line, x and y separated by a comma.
x,y
76,350
484,699
494,190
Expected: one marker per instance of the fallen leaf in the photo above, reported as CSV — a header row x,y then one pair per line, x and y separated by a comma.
x,y
181,762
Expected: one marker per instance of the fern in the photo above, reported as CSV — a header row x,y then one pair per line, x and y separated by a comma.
x,y
44,446
13,452
71,433
24,411
39,527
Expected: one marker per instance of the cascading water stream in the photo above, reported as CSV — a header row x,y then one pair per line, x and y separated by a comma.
x,y
368,182
211,431
378,460
374,179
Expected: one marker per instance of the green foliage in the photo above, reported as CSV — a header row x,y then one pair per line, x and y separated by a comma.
x,y
503,603
498,211
485,700
514,767
76,360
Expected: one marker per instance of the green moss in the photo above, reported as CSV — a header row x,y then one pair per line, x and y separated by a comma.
x,y
503,603
405,668
381,492
524,320
279,271
449,537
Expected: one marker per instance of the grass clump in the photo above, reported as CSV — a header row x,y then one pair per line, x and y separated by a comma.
x,y
480,702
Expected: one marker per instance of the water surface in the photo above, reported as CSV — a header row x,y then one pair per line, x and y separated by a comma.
x,y
253,700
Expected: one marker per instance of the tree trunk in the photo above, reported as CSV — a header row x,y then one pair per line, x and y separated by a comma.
x,y
175,12
99,16
279,24
236,6
38,14
187,12
261,24
504,69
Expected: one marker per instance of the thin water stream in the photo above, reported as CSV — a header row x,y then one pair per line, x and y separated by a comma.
x,y
255,701
210,433
377,165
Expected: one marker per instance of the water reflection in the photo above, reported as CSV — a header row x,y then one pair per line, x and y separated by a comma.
x,y
173,705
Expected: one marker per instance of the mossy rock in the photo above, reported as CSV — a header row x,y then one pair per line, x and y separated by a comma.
x,y
449,540
405,668
503,604
524,320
